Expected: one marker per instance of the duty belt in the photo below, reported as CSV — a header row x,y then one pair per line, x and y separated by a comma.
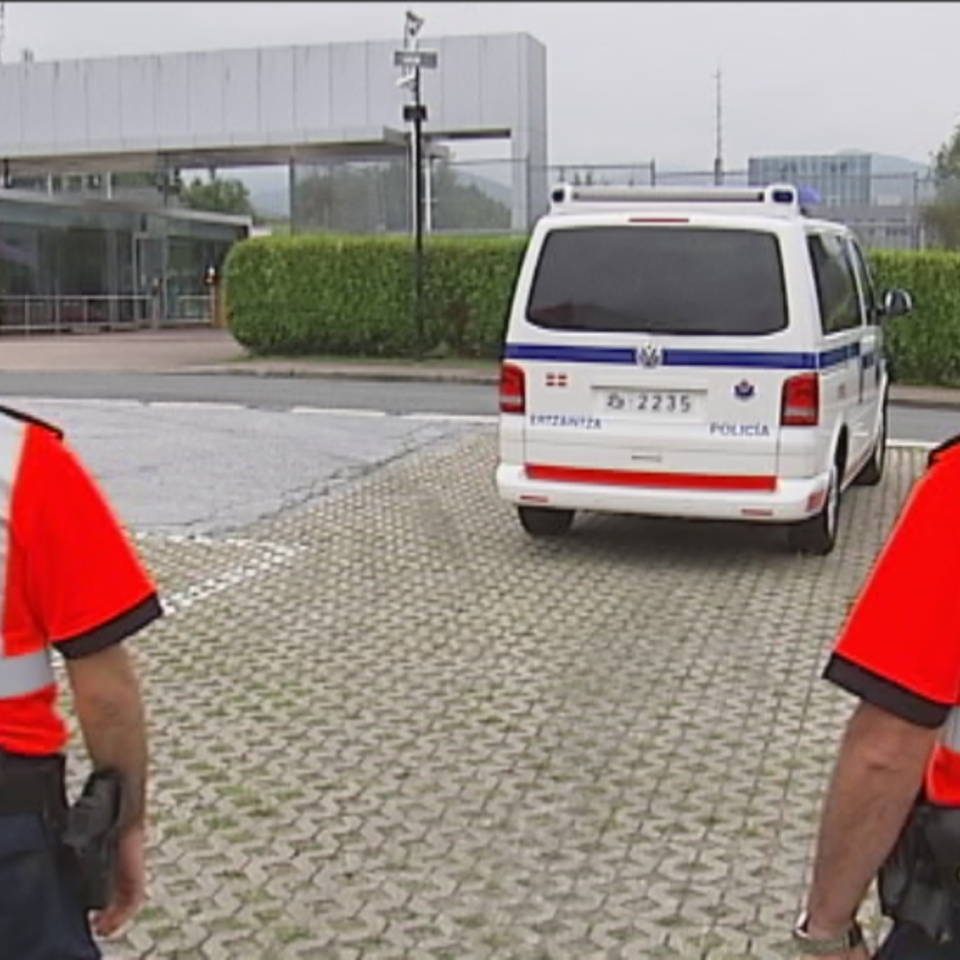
x,y
32,784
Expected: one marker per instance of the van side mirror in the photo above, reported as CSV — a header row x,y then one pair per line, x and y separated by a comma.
x,y
896,303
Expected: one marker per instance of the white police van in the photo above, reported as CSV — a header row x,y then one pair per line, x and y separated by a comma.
x,y
702,353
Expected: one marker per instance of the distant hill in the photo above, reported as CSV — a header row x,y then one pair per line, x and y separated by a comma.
x,y
501,192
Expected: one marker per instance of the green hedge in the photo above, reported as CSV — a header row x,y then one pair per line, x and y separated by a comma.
x,y
924,346
353,296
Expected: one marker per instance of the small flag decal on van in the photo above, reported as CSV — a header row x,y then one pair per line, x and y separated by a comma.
x,y
556,379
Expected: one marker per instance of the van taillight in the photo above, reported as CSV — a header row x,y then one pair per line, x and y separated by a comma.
x,y
513,392
801,401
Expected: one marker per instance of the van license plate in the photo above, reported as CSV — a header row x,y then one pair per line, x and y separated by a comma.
x,y
652,402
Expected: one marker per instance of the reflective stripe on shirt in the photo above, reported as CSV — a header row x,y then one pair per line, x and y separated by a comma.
x,y
942,778
29,672
950,734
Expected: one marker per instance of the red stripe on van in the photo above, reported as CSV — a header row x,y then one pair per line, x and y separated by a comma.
x,y
630,478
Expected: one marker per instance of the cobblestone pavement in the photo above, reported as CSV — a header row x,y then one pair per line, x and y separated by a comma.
x,y
387,724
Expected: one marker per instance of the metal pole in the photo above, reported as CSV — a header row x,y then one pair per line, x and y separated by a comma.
x,y
915,213
718,159
428,191
292,195
418,212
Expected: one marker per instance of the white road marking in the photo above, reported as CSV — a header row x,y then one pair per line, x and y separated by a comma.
x,y
27,402
78,402
195,405
340,411
911,445
268,558
451,417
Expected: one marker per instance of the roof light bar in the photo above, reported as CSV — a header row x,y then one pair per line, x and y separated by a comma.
x,y
779,198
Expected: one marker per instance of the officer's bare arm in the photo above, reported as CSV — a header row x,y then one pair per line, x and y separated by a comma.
x,y
876,779
107,701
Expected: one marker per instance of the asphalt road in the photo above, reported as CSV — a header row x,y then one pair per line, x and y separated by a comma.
x,y
268,393
176,467
392,397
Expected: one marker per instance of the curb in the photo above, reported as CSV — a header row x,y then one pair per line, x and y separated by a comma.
x,y
922,398
382,374
946,400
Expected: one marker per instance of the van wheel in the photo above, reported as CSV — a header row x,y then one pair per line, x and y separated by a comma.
x,y
818,535
544,522
872,472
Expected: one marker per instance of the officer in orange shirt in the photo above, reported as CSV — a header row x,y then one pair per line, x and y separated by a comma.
x,y
893,805
71,582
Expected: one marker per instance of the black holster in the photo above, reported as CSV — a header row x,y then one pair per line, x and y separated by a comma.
x,y
920,881
92,836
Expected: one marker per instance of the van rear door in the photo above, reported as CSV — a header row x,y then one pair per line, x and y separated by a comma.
x,y
656,348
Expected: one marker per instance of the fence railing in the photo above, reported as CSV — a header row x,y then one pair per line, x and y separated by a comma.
x,y
90,314
61,314
192,308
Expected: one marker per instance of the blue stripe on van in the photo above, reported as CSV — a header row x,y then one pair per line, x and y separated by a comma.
x,y
737,358
546,351
683,358
831,358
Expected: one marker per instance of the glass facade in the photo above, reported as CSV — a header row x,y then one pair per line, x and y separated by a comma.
x,y
104,262
841,180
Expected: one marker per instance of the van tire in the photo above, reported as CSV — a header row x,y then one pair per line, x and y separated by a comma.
x,y
545,522
872,472
818,535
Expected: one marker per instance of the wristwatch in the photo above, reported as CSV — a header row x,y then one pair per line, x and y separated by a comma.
x,y
824,947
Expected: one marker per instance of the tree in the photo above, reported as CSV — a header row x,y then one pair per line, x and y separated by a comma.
x,y
353,198
218,196
946,161
942,215
375,198
464,206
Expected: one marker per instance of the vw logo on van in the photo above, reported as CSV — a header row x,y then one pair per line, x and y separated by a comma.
x,y
649,356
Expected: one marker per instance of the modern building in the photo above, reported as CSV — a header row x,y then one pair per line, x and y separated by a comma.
x,y
95,263
845,179
880,196
307,108
75,250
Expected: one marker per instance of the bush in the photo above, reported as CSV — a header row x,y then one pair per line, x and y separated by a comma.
x,y
354,295
924,346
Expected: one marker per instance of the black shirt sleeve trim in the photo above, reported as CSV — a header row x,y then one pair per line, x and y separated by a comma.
x,y
886,694
113,631
24,417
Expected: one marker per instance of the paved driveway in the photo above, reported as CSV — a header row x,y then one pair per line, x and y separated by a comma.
x,y
387,724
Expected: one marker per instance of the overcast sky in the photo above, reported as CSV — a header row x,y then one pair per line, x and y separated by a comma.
x,y
626,81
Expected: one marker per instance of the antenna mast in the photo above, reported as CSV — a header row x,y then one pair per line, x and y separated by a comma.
x,y
718,159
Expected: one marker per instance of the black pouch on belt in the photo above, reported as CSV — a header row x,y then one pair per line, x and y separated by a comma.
x,y
92,836
920,881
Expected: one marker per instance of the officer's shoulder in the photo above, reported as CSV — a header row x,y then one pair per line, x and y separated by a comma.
x,y
25,417
947,453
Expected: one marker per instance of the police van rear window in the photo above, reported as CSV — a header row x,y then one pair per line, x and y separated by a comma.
x,y
647,279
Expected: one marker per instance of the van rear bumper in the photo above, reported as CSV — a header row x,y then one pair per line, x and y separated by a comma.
x,y
789,502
